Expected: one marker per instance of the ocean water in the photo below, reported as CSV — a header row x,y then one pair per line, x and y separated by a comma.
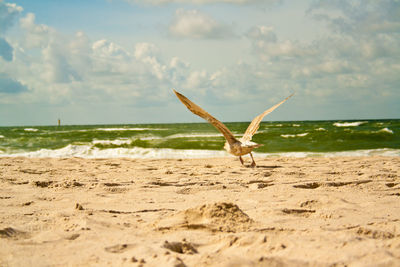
x,y
196,140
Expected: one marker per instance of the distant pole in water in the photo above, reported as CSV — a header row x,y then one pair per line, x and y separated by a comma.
x,y
59,122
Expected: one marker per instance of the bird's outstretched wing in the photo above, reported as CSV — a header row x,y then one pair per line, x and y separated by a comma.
x,y
255,124
202,113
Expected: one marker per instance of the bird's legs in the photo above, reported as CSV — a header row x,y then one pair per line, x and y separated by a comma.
x,y
253,163
241,160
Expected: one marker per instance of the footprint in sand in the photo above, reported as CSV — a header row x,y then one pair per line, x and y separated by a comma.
x,y
308,185
183,247
187,191
119,248
111,184
390,185
42,183
374,234
72,237
158,183
310,204
12,233
259,184
68,184
338,184
115,187
267,174
301,212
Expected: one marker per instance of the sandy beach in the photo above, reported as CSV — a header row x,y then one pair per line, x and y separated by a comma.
x,y
341,211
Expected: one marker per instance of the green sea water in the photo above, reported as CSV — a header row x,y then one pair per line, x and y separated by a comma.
x,y
360,137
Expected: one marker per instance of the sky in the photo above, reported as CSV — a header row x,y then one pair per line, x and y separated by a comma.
x,y
116,61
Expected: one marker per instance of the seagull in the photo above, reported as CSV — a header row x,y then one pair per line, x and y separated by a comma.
x,y
237,147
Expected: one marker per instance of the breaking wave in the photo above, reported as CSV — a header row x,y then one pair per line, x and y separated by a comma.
x,y
293,135
349,124
31,130
116,142
385,130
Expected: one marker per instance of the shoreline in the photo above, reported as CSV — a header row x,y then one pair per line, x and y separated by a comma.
x,y
200,212
90,152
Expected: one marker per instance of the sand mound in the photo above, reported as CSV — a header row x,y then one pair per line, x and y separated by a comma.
x,y
223,217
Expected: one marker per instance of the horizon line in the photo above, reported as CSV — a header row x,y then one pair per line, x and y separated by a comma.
x,y
98,124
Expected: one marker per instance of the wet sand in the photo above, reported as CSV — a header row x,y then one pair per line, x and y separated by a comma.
x,y
342,211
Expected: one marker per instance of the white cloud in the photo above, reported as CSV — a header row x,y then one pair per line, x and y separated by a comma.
x,y
147,53
356,61
81,53
8,14
145,50
176,63
358,17
194,24
266,45
178,71
53,63
37,35
106,49
77,70
198,80
57,67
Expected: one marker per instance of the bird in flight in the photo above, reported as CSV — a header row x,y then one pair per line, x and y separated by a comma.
x,y
237,147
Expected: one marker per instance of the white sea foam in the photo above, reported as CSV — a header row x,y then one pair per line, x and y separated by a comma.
x,y
31,130
293,135
320,129
296,125
1,136
88,151
349,124
150,137
288,135
385,130
272,125
118,142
